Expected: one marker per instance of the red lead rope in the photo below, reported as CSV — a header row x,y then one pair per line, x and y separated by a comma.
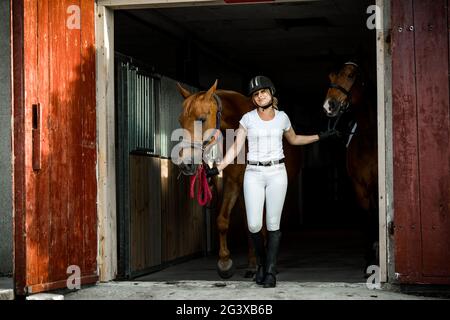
x,y
204,195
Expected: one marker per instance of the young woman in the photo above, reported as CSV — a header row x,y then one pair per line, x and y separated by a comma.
x,y
265,178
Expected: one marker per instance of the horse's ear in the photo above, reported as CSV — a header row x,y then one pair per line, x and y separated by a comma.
x,y
185,93
212,90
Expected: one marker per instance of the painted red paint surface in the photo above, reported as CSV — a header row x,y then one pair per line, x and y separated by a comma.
x,y
421,146
59,217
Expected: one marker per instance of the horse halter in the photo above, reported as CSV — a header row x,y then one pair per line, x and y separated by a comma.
x,y
348,100
347,93
218,120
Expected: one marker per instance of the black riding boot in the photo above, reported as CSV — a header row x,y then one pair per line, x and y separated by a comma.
x,y
273,245
260,252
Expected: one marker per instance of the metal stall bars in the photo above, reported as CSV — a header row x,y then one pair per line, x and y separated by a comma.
x,y
158,223
137,168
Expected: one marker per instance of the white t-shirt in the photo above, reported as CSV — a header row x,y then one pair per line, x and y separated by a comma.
x,y
265,138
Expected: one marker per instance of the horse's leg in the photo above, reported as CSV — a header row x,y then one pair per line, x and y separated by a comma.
x,y
231,193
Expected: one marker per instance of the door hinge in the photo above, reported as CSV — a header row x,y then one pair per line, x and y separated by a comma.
x,y
391,228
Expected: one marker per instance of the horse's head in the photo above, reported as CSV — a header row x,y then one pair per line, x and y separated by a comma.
x,y
343,90
201,120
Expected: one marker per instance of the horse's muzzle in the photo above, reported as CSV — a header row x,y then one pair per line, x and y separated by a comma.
x,y
332,107
188,169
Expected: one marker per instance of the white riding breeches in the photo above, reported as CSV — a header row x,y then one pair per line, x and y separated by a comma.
x,y
269,184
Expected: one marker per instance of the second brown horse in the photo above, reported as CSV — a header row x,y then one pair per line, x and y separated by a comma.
x,y
350,96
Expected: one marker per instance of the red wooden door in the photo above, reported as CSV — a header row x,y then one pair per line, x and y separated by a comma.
x,y
421,140
55,144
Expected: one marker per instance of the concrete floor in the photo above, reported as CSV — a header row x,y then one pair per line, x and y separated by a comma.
x,y
313,255
233,290
316,264
313,265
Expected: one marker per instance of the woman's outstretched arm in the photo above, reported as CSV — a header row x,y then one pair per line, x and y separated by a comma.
x,y
296,139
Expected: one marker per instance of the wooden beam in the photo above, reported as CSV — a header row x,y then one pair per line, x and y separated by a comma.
x,y
106,172
385,165
408,242
42,287
142,4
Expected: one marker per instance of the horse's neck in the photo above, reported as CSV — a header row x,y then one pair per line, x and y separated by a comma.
x,y
365,109
366,130
234,106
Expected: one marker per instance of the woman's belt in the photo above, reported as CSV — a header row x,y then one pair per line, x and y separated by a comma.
x,y
265,163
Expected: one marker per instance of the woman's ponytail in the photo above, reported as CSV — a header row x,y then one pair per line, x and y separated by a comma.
x,y
275,103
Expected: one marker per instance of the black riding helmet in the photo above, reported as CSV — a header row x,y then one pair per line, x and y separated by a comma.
x,y
260,82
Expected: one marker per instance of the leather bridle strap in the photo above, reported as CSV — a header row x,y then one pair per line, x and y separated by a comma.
x,y
342,89
218,120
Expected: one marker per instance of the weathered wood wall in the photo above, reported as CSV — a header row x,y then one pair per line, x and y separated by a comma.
x,y
421,142
57,134
183,223
145,212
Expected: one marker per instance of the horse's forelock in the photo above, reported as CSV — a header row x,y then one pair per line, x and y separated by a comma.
x,y
202,101
196,104
188,103
191,102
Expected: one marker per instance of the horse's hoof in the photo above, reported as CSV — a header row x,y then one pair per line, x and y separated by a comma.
x,y
249,274
225,269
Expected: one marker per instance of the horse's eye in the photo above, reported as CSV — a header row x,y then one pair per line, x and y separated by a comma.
x,y
351,75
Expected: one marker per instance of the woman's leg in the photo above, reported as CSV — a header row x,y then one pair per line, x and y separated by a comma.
x,y
276,179
277,182
254,205
254,198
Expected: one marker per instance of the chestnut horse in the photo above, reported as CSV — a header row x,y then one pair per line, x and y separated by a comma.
x,y
221,110
349,98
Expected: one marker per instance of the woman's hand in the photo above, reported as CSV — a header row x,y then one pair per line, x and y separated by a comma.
x,y
327,134
211,172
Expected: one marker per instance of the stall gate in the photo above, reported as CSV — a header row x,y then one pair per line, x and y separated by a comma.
x,y
158,222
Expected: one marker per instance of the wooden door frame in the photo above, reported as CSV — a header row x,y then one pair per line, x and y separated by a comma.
x,y
106,204
385,154
106,168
